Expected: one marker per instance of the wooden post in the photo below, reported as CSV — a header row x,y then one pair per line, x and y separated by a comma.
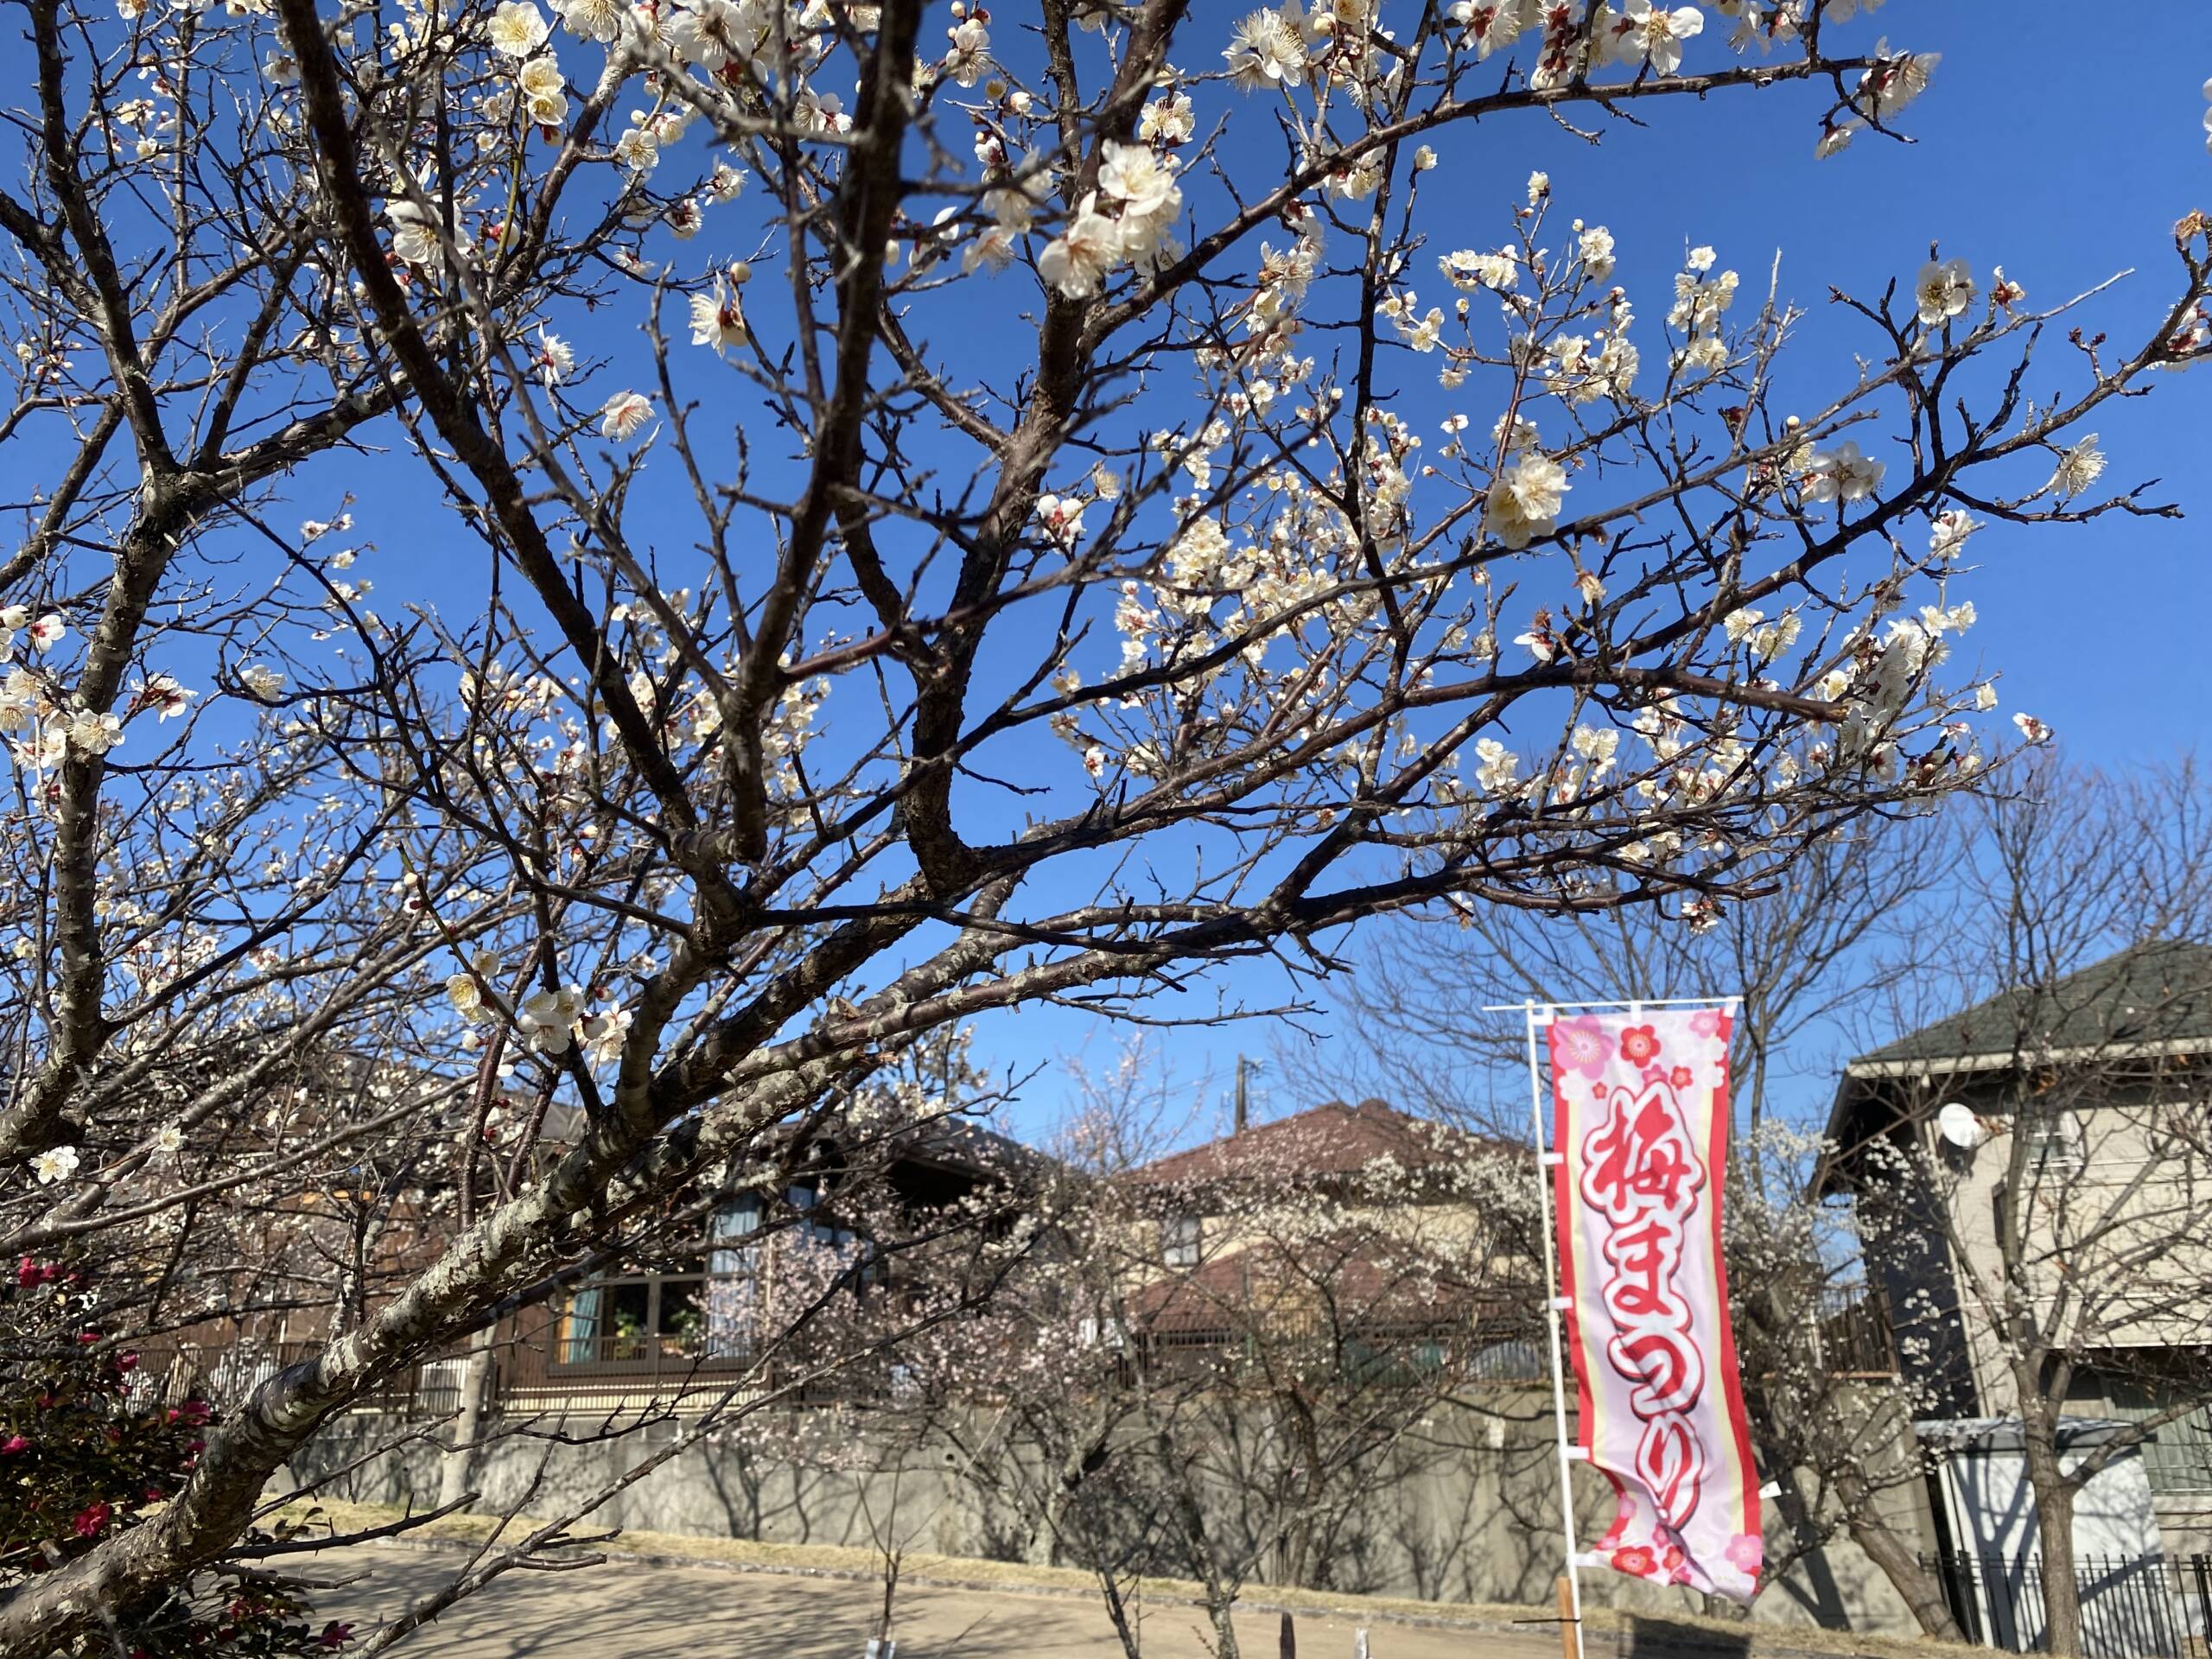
x,y
1570,1624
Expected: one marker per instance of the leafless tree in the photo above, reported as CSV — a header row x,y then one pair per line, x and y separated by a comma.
x,y
1230,1366
2072,1204
1814,960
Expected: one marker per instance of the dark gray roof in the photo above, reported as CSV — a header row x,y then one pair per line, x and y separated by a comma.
x,y
2158,993
2154,999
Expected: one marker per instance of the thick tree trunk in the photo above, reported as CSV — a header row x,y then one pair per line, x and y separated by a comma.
x,y
2062,1596
1921,1591
1224,1631
459,1464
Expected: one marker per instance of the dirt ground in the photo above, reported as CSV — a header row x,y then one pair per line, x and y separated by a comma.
x,y
624,1608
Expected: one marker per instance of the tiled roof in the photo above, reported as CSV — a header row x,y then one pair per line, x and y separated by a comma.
x,y
1335,1139
2155,993
1350,1280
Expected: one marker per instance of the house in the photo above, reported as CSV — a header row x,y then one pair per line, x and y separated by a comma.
x,y
2031,1175
674,1316
1355,1226
693,1303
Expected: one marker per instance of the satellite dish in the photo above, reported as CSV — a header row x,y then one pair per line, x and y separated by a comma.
x,y
1957,1124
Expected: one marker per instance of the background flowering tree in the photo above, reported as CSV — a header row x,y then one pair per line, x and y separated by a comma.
x,y
1227,1368
2073,1230
803,666
2077,948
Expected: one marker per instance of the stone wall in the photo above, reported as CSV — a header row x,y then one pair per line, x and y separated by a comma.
x,y
1474,1516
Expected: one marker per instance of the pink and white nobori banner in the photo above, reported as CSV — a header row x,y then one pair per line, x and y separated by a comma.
x,y
1640,1118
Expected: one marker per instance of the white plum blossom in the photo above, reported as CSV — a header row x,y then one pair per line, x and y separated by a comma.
x,y
969,59
467,996
548,1019
622,415
1948,533
1942,291
94,732
1490,24
592,20
544,91
1062,518
1596,245
1467,269
1599,745
263,682
1896,80
1655,34
552,359
415,235
2031,729
1168,120
1523,500
1143,184
1497,763
1077,261
1842,473
603,1030
2079,467
1267,51
717,320
55,1164
165,696
518,29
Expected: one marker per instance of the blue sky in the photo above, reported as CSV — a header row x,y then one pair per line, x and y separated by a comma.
x,y
2060,144
2063,149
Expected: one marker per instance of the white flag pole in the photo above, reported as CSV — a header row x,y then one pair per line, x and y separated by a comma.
x,y
1547,1157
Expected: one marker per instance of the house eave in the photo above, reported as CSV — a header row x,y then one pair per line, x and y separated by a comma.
x,y
1939,1065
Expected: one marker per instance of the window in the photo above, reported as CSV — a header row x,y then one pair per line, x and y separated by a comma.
x,y
2054,1142
1179,1237
702,1307
2177,1458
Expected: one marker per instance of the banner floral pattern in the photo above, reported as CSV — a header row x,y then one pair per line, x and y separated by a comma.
x,y
1640,1119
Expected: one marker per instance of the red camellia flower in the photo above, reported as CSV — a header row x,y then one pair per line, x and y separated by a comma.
x,y
1638,1044
93,1519
126,1361
14,1444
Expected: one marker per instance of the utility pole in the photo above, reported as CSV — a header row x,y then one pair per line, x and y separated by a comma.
x,y
1244,1102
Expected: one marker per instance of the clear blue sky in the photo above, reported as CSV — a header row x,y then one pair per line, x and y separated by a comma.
x,y
2059,140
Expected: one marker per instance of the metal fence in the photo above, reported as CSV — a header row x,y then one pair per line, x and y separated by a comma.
x,y
225,1376
2158,1607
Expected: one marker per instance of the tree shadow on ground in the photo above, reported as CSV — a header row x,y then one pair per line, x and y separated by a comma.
x,y
1654,1637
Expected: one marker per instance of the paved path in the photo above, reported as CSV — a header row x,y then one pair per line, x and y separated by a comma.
x,y
625,1608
